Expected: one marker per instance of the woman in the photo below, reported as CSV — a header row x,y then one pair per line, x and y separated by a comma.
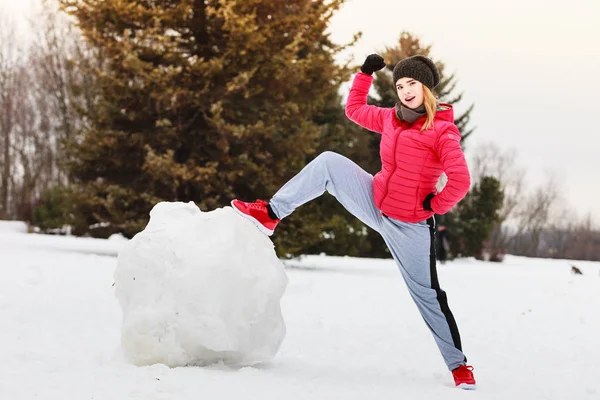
x,y
419,142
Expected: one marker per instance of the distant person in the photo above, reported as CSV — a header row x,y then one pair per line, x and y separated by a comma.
x,y
442,243
419,141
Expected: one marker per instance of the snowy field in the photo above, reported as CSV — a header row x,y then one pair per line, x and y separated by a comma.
x,y
530,328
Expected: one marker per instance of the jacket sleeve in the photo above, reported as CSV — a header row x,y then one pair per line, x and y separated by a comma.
x,y
357,110
455,166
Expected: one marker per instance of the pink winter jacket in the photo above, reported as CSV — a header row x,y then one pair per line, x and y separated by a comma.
x,y
412,161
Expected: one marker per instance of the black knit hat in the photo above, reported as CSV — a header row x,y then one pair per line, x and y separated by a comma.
x,y
420,68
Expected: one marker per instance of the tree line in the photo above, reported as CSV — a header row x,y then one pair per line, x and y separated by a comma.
x,y
115,106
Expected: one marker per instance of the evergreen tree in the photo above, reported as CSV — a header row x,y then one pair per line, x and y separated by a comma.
x,y
205,101
474,217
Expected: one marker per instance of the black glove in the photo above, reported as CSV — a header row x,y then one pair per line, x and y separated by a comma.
x,y
373,63
427,202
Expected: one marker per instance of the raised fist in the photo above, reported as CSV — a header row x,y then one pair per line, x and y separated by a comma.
x,y
373,63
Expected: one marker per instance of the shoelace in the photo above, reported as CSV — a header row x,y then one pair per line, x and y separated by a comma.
x,y
463,370
259,204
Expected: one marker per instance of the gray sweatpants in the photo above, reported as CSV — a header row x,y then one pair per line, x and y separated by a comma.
x,y
411,244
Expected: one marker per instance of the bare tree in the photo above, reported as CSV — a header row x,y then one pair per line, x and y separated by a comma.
x,y
490,160
584,243
532,219
33,144
54,50
559,233
9,59
41,95
531,223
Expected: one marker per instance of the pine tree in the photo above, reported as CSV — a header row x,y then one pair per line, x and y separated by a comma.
x,y
475,217
204,101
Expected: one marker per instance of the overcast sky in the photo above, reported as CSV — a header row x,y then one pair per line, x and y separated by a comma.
x,y
531,67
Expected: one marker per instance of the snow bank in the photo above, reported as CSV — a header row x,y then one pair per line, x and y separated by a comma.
x,y
199,287
63,243
13,227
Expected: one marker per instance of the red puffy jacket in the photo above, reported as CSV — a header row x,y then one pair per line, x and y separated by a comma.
x,y
412,161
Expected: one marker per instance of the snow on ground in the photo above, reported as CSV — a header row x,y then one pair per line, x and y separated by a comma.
x,y
13,227
529,327
72,244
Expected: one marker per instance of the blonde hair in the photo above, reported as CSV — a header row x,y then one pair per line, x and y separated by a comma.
x,y
430,103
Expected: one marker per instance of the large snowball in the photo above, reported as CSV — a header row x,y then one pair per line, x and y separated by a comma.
x,y
199,287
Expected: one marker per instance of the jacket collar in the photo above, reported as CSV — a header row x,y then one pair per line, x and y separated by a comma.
x,y
445,112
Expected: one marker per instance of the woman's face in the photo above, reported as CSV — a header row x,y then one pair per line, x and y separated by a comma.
x,y
410,92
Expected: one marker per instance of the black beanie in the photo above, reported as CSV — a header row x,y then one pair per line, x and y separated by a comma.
x,y
420,68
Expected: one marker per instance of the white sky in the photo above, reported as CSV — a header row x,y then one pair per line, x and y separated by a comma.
x,y
530,66
16,10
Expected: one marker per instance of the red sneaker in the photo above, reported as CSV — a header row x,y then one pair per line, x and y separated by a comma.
x,y
257,213
463,377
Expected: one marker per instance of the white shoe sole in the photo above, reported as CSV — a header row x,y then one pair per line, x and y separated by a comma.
x,y
467,386
260,226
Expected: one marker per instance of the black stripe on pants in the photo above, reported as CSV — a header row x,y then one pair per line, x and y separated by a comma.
x,y
441,295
